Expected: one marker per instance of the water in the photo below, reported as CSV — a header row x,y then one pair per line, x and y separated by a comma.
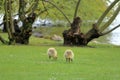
x,y
115,35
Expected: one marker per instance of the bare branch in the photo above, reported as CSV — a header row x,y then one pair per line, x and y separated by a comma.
x,y
58,9
110,30
1,24
45,7
22,5
44,10
35,6
76,9
110,20
106,12
29,8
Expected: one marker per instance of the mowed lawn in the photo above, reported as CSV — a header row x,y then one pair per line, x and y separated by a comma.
x,y
30,62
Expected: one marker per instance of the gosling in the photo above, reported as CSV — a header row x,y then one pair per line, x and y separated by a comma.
x,y
52,53
69,55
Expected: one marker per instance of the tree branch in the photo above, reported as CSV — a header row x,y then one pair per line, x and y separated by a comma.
x,y
35,6
110,30
45,7
44,10
22,5
106,12
1,24
10,16
58,9
76,9
29,8
111,19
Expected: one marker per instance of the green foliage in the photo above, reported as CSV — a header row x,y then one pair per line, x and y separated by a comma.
x,y
88,9
1,5
14,6
91,10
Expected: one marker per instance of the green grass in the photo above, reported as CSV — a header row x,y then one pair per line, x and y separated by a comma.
x,y
30,62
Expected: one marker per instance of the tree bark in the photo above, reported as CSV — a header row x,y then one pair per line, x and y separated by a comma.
x,y
8,21
22,35
74,36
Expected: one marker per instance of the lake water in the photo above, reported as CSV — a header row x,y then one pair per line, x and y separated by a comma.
x,y
115,35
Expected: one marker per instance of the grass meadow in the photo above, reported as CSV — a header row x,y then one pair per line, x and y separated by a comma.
x,y
30,62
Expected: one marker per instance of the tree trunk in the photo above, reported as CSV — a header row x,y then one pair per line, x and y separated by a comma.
x,y
8,21
4,24
74,36
22,35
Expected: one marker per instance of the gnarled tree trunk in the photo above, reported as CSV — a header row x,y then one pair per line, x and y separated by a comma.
x,y
74,36
16,34
22,35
